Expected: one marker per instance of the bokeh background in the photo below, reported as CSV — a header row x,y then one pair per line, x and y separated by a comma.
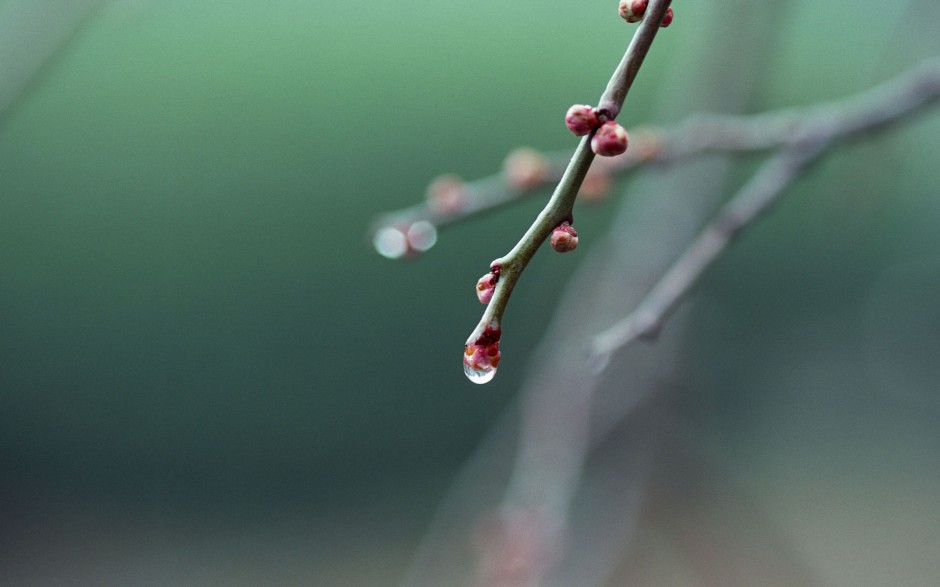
x,y
208,377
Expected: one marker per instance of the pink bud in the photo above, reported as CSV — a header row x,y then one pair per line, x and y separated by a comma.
x,y
446,194
632,10
486,285
513,546
667,20
596,185
581,119
564,238
525,168
610,140
645,143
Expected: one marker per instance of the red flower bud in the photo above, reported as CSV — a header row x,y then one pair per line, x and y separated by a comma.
x,y
525,168
564,238
446,194
632,10
610,140
581,119
667,20
486,285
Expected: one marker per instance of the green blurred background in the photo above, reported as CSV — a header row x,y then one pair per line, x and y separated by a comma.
x,y
208,377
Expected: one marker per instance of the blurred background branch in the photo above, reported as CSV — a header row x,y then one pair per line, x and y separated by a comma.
x,y
32,33
699,135
803,138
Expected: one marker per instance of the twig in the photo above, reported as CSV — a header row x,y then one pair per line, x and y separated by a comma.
x,y
694,137
808,139
559,207
33,34
760,192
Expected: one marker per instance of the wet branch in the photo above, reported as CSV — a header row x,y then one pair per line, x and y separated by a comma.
x,y
559,207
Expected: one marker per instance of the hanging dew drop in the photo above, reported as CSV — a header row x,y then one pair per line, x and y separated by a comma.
x,y
477,374
481,358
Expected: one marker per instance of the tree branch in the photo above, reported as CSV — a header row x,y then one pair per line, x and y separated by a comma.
x,y
696,136
508,269
806,136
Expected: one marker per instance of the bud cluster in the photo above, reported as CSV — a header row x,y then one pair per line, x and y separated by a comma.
x,y
609,140
633,11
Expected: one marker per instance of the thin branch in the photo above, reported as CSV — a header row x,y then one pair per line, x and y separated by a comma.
x,y
809,138
33,35
694,137
761,191
559,207
622,80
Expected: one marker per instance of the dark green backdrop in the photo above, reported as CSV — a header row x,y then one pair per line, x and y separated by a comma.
x,y
201,360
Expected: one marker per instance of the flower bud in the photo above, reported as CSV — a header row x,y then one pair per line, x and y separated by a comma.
x,y
564,238
646,143
581,119
512,545
610,140
596,184
667,20
486,285
446,194
632,10
525,168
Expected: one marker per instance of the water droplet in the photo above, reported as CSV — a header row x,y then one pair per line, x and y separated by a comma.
x,y
480,361
390,242
478,375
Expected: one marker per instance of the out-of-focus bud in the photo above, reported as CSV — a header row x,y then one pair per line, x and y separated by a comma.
x,y
446,193
526,168
596,185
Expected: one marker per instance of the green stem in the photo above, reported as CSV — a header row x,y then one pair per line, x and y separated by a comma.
x,y
560,206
